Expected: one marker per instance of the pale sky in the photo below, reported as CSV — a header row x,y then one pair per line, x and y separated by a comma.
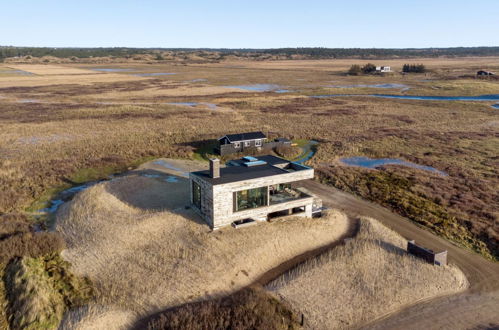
x,y
250,24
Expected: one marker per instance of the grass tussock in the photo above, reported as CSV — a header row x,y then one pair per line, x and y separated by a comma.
x,y
144,253
39,290
251,308
370,276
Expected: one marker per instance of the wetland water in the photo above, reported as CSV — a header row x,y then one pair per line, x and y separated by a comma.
x,y
211,106
374,163
154,74
488,97
260,88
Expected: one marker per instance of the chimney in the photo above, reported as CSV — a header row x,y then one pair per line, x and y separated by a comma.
x,y
214,168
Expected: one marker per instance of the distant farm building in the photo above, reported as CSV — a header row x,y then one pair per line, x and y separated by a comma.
x,y
439,259
383,69
240,142
484,73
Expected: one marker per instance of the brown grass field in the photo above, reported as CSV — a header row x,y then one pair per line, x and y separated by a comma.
x,y
67,124
371,275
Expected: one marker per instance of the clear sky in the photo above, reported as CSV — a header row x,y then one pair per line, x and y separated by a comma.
x,y
250,24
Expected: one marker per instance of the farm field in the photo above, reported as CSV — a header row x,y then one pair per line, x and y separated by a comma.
x,y
63,124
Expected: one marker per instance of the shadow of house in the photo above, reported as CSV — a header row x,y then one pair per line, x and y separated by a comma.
x,y
156,191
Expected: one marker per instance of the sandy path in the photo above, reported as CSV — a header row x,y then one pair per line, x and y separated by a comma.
x,y
477,306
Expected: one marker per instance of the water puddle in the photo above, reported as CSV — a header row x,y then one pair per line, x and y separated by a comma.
x,y
489,97
154,74
171,179
112,70
17,72
496,106
374,163
171,167
388,86
308,152
260,88
63,197
198,80
210,106
152,176
28,101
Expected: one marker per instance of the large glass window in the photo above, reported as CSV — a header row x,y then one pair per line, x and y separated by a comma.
x,y
196,194
251,198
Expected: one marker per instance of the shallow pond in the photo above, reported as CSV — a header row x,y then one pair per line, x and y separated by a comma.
x,y
260,88
395,86
112,69
18,72
495,105
154,74
211,106
308,152
373,163
64,196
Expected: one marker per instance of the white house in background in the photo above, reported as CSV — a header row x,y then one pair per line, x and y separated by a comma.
x,y
250,189
383,69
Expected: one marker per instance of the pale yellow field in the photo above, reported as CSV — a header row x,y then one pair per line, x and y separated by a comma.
x,y
80,79
51,69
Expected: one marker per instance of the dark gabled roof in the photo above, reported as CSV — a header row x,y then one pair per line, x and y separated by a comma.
x,y
244,136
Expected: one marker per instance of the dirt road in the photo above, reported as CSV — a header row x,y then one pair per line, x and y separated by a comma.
x,y
476,307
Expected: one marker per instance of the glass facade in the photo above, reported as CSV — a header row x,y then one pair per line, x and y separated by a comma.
x,y
251,198
196,194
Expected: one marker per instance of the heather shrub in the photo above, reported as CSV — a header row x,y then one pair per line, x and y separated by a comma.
x,y
250,308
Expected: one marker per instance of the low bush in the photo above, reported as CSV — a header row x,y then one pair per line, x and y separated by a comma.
x,y
251,308
17,239
39,290
289,152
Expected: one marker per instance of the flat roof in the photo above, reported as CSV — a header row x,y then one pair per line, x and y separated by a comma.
x,y
240,172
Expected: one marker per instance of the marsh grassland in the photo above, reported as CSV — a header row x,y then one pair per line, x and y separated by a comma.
x,y
65,124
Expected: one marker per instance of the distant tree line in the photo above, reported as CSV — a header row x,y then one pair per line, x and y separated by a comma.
x,y
317,52
417,68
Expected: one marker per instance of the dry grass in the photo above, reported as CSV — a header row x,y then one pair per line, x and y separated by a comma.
x,y
145,259
370,276
96,317
49,69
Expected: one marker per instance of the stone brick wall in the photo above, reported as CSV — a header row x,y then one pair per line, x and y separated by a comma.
x,y
223,203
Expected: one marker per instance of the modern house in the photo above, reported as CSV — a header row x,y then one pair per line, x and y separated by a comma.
x,y
250,189
234,143
382,69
